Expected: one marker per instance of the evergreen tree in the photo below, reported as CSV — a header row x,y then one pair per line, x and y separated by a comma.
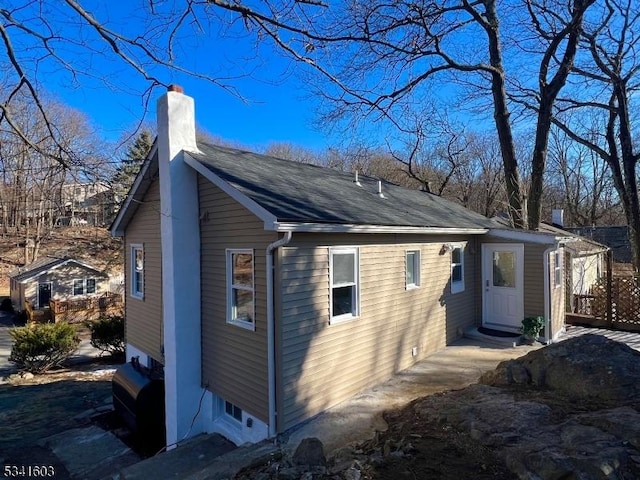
x,y
126,172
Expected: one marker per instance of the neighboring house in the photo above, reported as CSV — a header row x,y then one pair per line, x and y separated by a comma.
x,y
614,237
584,259
271,290
87,203
49,278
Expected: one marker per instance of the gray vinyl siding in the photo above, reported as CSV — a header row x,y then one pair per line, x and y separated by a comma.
x,y
322,364
144,316
234,360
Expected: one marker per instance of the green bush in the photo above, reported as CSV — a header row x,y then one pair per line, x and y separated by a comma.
x,y
107,334
532,326
38,347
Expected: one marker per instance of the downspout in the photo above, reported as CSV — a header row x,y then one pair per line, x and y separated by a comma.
x,y
547,292
271,332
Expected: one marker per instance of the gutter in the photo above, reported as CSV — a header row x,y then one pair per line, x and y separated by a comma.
x,y
271,331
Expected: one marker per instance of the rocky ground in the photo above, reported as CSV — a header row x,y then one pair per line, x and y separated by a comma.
x,y
567,411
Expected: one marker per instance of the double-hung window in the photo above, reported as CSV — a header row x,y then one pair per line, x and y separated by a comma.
x,y
240,288
412,269
343,270
137,271
457,268
557,269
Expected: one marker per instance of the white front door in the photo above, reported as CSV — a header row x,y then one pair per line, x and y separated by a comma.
x,y
503,286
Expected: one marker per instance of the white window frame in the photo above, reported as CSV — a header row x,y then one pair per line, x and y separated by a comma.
x,y
135,293
416,268
355,312
230,287
458,285
557,268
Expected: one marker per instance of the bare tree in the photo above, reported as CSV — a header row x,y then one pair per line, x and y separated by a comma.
x,y
609,77
582,179
380,55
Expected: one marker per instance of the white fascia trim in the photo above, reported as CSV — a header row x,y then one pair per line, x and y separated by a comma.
x,y
527,236
116,227
263,214
350,228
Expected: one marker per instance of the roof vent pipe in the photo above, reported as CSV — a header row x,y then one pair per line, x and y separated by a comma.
x,y
356,181
380,194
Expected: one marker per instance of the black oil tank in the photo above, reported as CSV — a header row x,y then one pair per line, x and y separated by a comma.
x,y
138,397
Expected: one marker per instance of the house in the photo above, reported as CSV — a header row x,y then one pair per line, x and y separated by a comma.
x,y
584,259
35,286
615,237
270,290
91,203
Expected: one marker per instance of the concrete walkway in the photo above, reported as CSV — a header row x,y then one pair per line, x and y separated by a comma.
x,y
357,419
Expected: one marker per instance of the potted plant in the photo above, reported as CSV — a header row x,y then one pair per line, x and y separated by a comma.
x,y
531,328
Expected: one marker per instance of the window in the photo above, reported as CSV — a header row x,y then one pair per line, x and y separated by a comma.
x,y
85,285
137,271
457,268
343,271
412,268
78,287
233,411
240,293
557,269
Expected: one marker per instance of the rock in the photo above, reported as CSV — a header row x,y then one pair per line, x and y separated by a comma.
x,y
352,474
587,367
310,452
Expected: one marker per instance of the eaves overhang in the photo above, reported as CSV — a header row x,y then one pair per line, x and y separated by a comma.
x,y
528,236
352,228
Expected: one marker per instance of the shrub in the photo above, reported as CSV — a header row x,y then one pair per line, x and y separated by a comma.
x,y
107,334
37,348
532,326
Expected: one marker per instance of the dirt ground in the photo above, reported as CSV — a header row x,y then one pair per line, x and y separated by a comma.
x,y
429,451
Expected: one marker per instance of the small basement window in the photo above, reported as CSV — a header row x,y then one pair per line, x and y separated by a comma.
x,y
233,411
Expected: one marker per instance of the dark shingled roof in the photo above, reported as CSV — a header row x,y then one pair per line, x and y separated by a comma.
x,y
303,193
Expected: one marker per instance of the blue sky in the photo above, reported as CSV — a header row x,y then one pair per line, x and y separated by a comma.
x,y
276,109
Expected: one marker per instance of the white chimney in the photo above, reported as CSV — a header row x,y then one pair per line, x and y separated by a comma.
x,y
557,217
180,239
